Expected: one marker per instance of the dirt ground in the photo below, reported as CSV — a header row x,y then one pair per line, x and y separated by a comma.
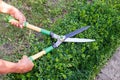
x,y
111,70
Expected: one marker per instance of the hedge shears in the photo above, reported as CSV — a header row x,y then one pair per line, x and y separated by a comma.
x,y
60,39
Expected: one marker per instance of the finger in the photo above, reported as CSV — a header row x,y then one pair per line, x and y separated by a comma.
x,y
21,26
22,19
17,25
12,23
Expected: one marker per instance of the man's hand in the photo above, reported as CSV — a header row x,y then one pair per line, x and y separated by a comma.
x,y
14,12
24,65
18,16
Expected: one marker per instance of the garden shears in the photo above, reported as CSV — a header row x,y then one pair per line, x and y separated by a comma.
x,y
60,39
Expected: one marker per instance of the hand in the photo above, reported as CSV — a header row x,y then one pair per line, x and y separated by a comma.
x,y
17,15
24,65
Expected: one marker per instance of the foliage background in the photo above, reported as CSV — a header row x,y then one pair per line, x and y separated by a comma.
x,y
71,60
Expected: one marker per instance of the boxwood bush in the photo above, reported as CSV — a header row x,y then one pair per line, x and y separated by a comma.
x,y
77,61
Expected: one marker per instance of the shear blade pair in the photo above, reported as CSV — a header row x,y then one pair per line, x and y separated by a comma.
x,y
67,37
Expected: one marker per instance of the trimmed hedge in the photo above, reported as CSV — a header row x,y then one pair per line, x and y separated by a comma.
x,y
77,61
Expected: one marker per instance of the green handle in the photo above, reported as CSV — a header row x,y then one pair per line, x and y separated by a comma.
x,y
26,24
47,50
40,54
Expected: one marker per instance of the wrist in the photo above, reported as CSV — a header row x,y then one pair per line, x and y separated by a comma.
x,y
13,68
17,68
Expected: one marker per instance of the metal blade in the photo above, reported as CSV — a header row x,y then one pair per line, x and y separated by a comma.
x,y
78,40
71,34
76,32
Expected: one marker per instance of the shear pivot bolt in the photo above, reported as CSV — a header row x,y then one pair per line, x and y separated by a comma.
x,y
61,38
